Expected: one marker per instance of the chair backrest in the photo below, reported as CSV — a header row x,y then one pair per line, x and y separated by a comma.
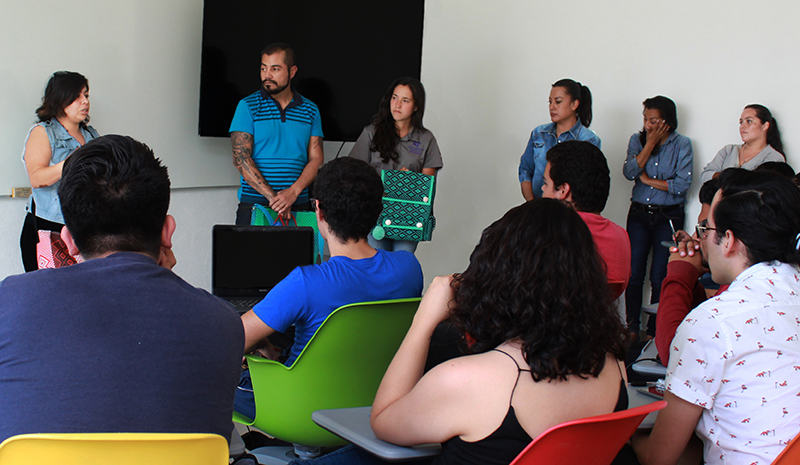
x,y
790,454
116,448
341,366
588,441
617,287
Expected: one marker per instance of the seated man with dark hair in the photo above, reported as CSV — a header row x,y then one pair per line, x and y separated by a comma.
x,y
101,346
347,195
732,376
577,172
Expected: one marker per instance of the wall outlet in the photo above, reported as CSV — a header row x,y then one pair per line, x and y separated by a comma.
x,y
21,191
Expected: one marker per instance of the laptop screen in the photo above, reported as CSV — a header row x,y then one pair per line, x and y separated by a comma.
x,y
248,261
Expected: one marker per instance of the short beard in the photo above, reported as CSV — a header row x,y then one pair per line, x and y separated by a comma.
x,y
275,90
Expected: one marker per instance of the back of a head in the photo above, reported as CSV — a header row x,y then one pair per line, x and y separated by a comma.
x,y
708,190
777,167
114,195
762,209
349,193
535,276
584,167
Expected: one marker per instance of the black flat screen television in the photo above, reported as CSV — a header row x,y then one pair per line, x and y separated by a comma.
x,y
347,55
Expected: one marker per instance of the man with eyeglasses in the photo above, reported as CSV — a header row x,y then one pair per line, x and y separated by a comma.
x,y
682,289
733,376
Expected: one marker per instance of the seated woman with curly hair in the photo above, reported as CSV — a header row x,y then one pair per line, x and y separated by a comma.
x,y
547,345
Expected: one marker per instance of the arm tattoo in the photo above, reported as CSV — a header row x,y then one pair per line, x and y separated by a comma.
x,y
242,144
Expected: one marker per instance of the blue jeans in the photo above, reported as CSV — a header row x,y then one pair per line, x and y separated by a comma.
x,y
392,245
646,231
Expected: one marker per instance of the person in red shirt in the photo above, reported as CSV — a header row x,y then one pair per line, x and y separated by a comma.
x,y
577,172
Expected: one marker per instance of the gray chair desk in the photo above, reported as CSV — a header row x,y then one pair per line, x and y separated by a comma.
x,y
645,364
353,424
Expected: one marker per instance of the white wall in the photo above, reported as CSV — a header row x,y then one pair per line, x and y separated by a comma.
x,y
487,68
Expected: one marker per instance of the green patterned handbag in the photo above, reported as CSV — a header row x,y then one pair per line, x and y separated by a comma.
x,y
407,207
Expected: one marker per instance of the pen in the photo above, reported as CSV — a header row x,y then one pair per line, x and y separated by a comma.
x,y
674,242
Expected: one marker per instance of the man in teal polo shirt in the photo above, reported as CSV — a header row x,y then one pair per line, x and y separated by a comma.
x,y
276,135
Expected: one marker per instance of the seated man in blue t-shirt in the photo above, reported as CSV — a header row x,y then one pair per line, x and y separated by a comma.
x,y
347,196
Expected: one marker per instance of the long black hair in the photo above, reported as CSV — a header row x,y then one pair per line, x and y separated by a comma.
x,y
386,138
773,133
579,92
62,89
536,277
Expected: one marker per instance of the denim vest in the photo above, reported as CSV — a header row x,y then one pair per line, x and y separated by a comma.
x,y
62,144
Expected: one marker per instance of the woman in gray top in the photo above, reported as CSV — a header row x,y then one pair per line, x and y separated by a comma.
x,y
761,143
396,140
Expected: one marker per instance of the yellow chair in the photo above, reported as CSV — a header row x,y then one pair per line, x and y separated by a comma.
x,y
115,448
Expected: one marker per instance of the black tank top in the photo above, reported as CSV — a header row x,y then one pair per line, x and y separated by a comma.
x,y
508,440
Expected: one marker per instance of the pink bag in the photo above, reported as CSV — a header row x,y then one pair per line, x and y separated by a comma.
x,y
51,251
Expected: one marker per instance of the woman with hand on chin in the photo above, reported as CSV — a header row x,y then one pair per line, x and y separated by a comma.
x,y
547,345
396,140
761,143
63,127
570,106
659,162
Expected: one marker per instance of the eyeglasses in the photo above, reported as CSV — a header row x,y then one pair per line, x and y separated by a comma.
x,y
702,229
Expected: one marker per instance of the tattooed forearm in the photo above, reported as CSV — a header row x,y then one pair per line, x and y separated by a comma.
x,y
242,145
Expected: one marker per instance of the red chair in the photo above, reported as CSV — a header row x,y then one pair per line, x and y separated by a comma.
x,y
790,454
588,441
617,287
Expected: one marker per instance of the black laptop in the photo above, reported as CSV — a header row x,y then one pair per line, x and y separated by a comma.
x,y
248,261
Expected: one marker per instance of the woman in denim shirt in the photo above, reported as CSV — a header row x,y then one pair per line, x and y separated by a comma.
x,y
571,114
62,128
659,162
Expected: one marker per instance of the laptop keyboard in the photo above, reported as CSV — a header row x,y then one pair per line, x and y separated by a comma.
x,y
243,305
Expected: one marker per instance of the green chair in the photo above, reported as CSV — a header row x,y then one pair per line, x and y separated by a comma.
x,y
341,366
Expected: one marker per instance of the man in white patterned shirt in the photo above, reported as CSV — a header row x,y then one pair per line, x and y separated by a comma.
x,y
734,370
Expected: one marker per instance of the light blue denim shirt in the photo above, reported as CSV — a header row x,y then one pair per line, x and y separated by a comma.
x,y
62,144
671,162
543,138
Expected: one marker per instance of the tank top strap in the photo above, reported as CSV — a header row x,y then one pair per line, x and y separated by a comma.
x,y
519,371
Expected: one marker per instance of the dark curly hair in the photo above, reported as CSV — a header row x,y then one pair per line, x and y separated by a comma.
x,y
536,277
349,193
762,209
63,88
584,167
386,138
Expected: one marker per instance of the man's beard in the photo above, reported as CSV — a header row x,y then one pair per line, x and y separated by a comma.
x,y
273,90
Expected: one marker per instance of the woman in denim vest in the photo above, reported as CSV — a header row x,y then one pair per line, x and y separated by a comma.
x,y
62,128
570,106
